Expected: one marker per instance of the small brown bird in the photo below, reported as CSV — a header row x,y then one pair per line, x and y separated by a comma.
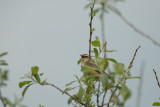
x,y
90,63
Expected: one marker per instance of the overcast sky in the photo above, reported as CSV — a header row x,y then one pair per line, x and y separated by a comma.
x,y
53,33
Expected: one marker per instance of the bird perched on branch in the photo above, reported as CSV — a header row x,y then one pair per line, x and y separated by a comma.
x,y
85,61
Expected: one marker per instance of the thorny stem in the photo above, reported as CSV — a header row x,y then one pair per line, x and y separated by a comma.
x,y
129,67
77,100
1,98
91,29
156,78
115,10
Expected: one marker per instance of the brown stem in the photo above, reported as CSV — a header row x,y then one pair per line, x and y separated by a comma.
x,y
131,63
156,78
75,99
129,67
90,25
104,97
115,10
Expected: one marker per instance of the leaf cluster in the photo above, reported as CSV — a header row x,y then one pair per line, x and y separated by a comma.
x,y
34,78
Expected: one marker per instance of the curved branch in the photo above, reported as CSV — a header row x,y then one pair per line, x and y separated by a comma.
x,y
77,100
116,11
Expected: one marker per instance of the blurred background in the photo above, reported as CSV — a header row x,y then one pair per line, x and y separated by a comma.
x,y
52,34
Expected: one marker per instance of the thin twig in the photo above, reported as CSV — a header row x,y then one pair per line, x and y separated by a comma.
x,y
98,94
131,63
77,100
116,11
112,95
104,97
91,29
156,78
129,67
139,94
1,98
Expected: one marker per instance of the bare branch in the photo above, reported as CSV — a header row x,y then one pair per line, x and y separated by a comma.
x,y
131,63
116,11
75,99
129,67
156,78
91,29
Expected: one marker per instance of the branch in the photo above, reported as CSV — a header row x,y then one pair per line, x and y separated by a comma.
x,y
77,100
112,95
131,63
98,94
116,11
156,78
104,97
91,29
1,98
129,67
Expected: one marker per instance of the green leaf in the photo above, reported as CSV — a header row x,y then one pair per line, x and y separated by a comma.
x,y
79,61
133,77
21,84
87,69
125,92
7,101
3,63
81,92
3,54
111,50
68,89
24,91
34,70
103,64
119,68
96,52
36,76
96,43
70,83
96,10
69,100
112,60
97,38
104,80
91,78
156,104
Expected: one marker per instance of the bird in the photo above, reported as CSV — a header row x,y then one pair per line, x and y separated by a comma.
x,y
85,61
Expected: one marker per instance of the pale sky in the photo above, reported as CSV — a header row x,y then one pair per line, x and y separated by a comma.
x,y
53,33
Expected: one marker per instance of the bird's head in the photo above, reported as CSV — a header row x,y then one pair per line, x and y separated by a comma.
x,y
84,56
